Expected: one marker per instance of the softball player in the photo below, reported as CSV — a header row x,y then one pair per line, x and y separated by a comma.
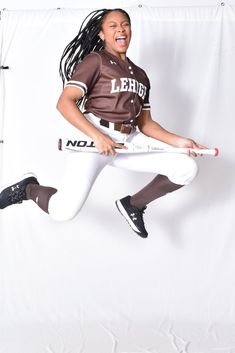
x,y
106,97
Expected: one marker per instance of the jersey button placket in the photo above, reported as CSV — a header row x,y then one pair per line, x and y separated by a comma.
x,y
132,106
132,98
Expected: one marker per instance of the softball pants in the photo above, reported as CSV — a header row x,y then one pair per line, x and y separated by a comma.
x,y
82,169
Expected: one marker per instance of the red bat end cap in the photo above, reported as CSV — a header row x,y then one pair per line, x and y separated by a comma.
x,y
216,152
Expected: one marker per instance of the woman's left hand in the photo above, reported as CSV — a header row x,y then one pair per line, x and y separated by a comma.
x,y
189,143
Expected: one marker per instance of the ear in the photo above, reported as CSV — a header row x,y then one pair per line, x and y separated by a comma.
x,y
101,35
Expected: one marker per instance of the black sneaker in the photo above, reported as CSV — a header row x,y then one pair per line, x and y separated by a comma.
x,y
15,193
133,215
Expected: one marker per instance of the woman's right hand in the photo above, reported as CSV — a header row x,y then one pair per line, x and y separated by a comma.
x,y
105,145
68,108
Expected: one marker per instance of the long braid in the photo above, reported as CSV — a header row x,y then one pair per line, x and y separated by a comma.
x,y
85,42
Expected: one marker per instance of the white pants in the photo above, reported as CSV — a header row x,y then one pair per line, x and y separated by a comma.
x,y
82,169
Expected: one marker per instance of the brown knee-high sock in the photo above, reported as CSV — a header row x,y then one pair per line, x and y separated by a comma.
x,y
40,195
158,187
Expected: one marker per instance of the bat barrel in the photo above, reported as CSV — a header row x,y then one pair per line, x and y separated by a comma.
x,y
211,151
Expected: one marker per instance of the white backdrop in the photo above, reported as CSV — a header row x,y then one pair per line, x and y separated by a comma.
x,y
48,4
91,285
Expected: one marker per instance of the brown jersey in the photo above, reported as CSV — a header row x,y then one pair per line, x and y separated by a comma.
x,y
115,90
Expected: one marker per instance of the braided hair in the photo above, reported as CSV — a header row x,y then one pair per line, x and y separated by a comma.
x,y
86,41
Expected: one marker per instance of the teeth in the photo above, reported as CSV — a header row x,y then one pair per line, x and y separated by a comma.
x,y
120,38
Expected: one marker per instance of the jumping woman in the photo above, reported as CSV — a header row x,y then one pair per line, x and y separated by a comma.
x,y
106,97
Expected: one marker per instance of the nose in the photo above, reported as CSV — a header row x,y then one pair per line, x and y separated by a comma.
x,y
121,28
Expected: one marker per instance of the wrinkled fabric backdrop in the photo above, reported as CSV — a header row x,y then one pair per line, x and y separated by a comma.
x,y
91,285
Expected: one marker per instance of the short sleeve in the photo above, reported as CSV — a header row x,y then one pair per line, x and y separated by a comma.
x,y
86,73
146,103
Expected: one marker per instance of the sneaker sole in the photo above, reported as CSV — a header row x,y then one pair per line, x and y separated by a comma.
x,y
123,212
25,176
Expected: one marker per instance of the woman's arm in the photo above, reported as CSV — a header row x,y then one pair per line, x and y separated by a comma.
x,y
68,108
152,129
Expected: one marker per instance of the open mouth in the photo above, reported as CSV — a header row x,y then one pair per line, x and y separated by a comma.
x,y
122,40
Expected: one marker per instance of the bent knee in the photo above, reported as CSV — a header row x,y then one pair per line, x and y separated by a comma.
x,y
187,170
67,202
63,210
191,170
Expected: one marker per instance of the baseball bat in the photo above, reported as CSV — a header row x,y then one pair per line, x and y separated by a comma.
x,y
89,146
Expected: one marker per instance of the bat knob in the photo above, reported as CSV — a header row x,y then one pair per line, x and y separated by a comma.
x,y
216,152
60,144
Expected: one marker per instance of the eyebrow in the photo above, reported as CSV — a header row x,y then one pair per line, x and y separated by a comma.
x,y
112,21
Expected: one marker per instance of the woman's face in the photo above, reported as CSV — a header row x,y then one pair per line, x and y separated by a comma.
x,y
116,33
